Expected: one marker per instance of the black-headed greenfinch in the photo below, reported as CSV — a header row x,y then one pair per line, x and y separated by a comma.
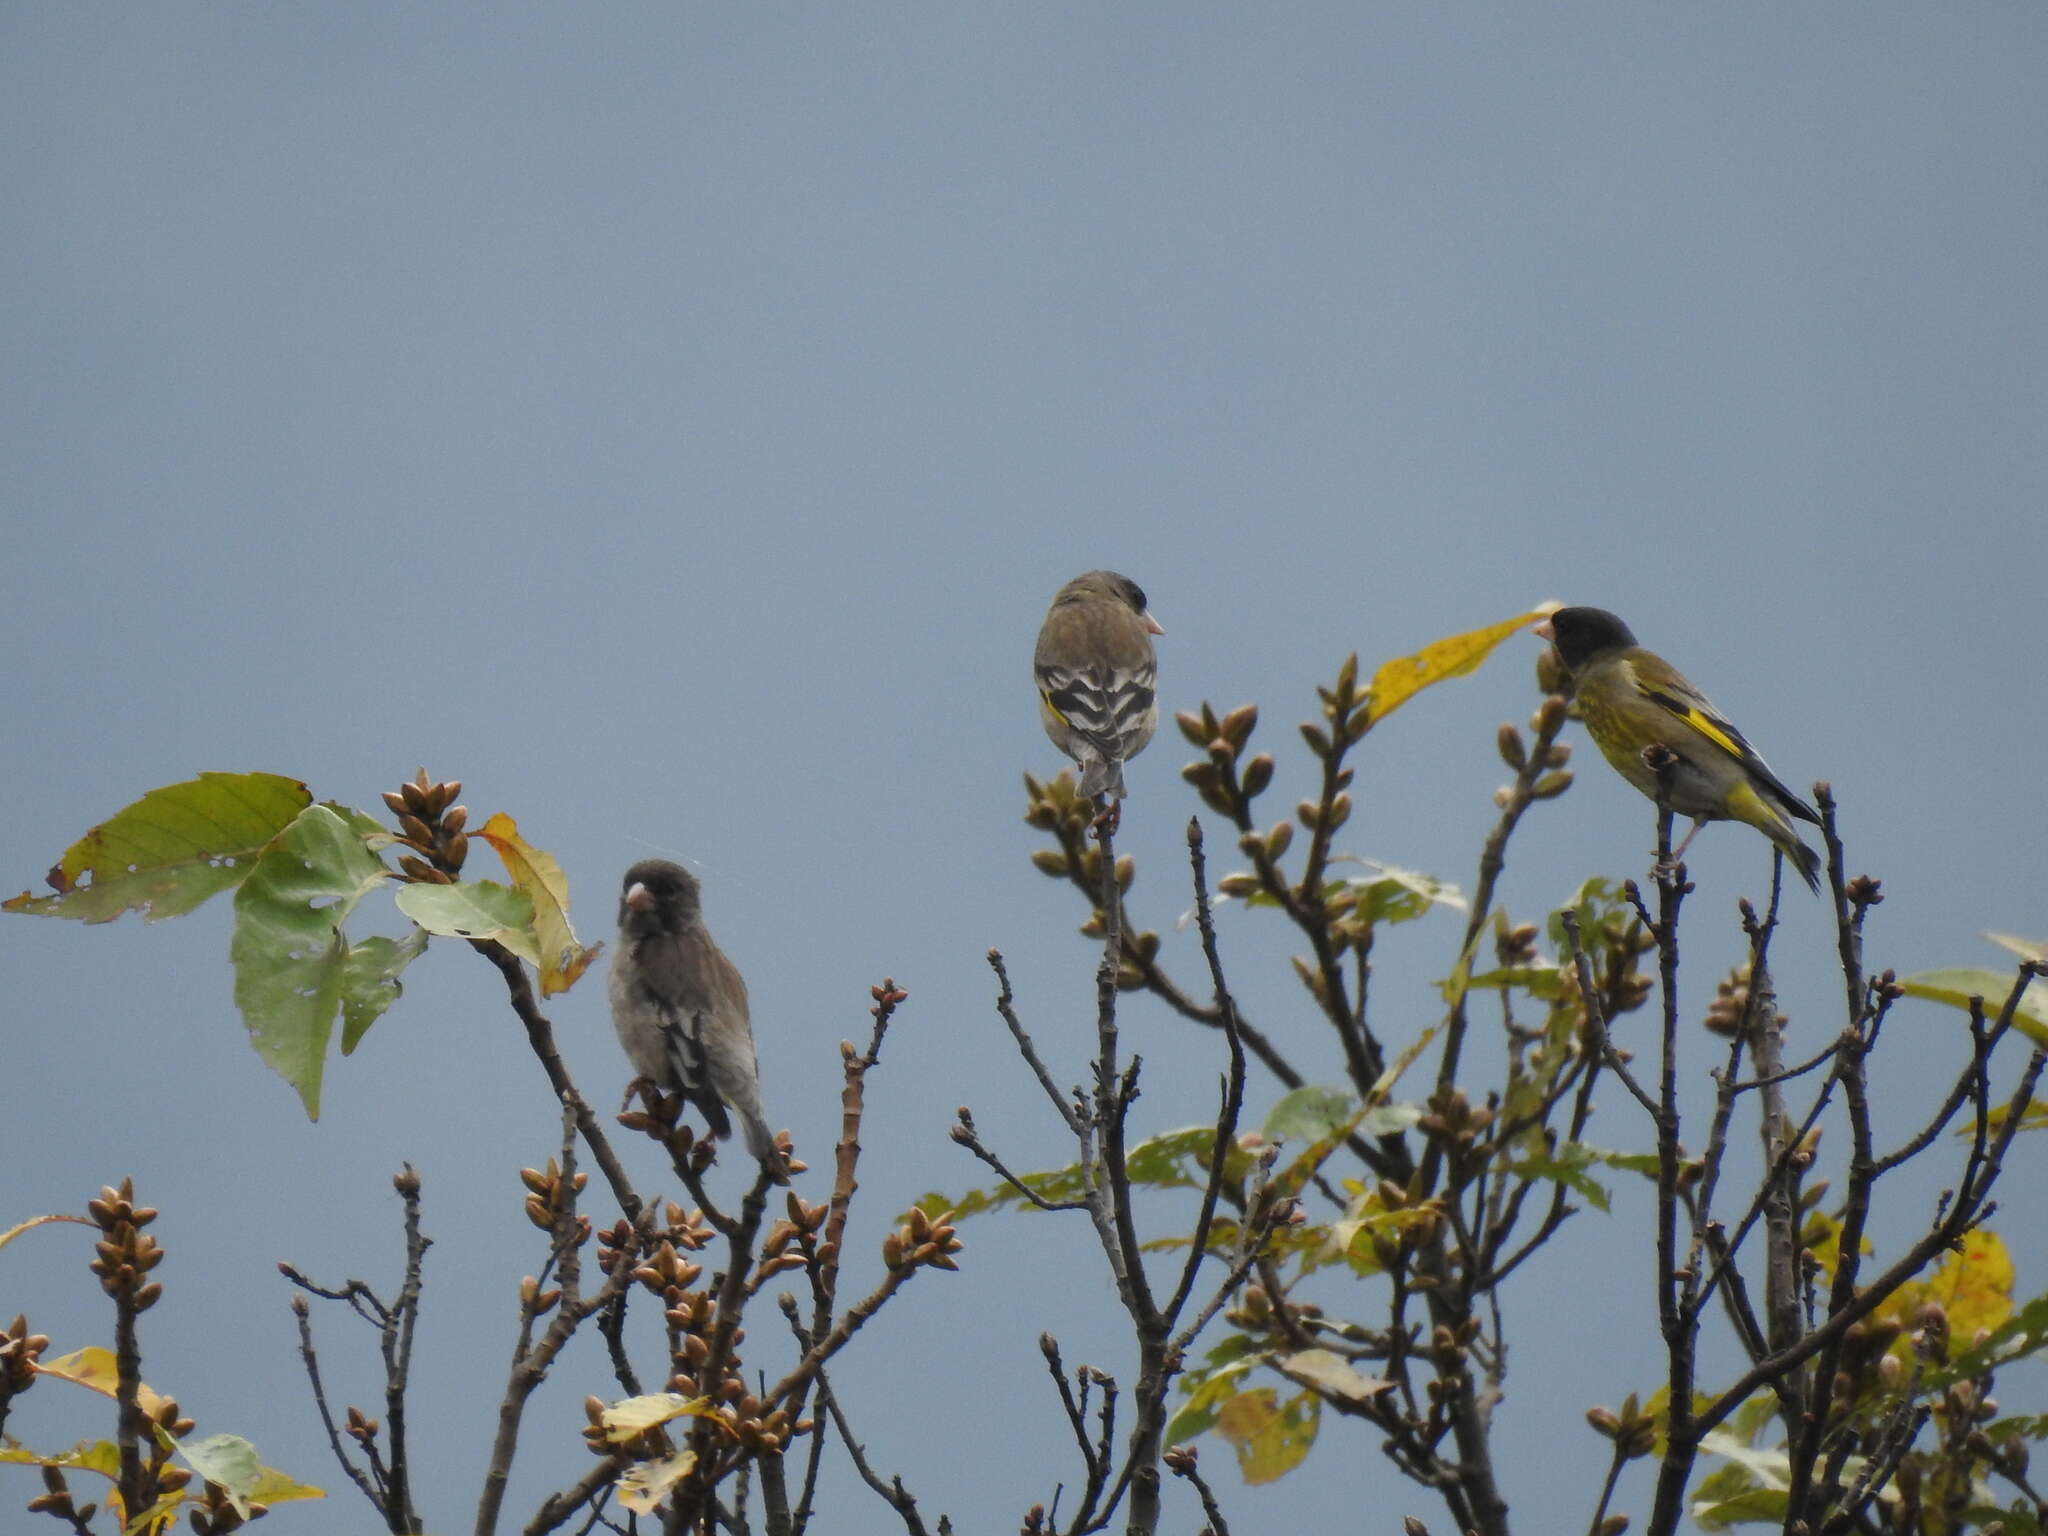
x,y
1632,699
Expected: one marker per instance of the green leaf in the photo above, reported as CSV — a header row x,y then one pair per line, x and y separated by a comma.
x,y
290,956
1309,1114
1543,981
1597,902
1957,987
369,982
475,909
1397,895
227,1460
1567,1166
170,850
1209,1388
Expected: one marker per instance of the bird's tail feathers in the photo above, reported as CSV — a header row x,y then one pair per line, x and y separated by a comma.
x,y
1102,776
761,1142
1806,861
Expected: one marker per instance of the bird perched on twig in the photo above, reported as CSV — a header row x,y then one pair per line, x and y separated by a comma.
x,y
680,1007
1632,699
1096,673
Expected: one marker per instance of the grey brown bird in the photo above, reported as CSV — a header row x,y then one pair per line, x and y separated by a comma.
x,y
1096,677
680,1007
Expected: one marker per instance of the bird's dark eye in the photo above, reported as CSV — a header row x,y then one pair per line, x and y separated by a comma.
x,y
1136,595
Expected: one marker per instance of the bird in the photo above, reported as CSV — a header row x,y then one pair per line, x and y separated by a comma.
x,y
680,1007
1096,675
1632,699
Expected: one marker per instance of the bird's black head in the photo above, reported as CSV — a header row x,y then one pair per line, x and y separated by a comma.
x,y
1126,589
1580,634
657,897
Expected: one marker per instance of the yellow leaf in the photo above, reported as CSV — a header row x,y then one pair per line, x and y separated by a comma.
x,y
636,1415
94,1369
646,1483
101,1456
1270,1440
36,1221
1400,680
562,959
1974,1286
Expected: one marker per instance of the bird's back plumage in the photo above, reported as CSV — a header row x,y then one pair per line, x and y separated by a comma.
x,y
1097,677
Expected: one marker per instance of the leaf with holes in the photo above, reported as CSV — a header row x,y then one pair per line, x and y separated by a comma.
x,y
291,959
170,850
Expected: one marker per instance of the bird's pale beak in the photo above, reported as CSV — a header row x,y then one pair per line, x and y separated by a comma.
x,y
1543,631
639,898
1153,624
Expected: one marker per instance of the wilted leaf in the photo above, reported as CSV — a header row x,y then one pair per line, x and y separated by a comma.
x,y
2026,949
562,959
1957,987
369,981
170,850
636,1415
645,1484
1398,681
1330,1374
1270,1440
475,909
290,956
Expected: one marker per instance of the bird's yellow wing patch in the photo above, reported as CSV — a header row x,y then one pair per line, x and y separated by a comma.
x,y
1708,724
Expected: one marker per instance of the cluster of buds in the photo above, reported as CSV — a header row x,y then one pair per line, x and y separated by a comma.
x,y
1513,945
55,1499
1633,1431
1730,1007
922,1240
1542,773
1449,1345
213,1513
1452,1121
1226,780
667,1273
551,1199
19,1351
1868,1365
1930,1332
430,823
1395,1242
792,1242
1058,806
124,1253
1256,1310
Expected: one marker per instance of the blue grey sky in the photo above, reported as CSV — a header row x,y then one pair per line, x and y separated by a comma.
x,y
672,421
